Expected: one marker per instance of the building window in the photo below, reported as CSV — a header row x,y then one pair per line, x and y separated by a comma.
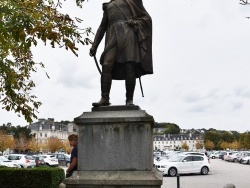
x,y
45,135
41,134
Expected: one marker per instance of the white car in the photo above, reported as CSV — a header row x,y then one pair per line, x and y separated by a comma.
x,y
25,161
214,155
50,160
246,160
184,164
233,157
227,155
8,163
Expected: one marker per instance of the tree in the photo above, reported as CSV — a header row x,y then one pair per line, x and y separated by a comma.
x,y
245,140
6,141
244,2
54,144
22,131
224,145
66,147
236,135
184,146
33,145
22,25
172,128
209,145
198,145
227,137
21,143
235,145
213,136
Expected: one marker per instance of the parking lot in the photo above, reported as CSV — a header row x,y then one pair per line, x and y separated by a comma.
x,y
221,173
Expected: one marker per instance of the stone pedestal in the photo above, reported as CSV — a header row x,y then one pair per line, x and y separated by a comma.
x,y
115,149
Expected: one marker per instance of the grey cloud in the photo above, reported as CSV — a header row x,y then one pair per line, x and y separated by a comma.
x,y
74,75
200,108
237,105
243,92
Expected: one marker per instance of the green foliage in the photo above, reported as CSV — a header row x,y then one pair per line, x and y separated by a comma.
x,y
212,136
37,177
227,137
16,131
245,140
22,25
170,128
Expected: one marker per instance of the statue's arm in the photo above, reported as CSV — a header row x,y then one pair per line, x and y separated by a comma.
x,y
101,30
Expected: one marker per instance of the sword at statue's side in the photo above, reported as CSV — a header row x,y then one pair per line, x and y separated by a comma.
x,y
141,87
97,65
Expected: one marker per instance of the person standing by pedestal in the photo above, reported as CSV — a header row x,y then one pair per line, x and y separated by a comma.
x,y
73,140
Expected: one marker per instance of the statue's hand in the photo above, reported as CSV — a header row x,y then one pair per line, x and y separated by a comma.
x,y
132,22
92,51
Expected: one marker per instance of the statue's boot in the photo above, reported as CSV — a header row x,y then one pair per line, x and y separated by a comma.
x,y
106,81
130,83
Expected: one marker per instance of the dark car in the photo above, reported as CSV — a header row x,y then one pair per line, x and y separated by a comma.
x,y
39,160
63,159
221,156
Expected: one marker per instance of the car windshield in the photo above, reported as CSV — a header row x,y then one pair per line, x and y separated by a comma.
x,y
176,158
29,157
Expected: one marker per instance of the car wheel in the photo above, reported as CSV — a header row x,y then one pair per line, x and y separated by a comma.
x,y
172,172
67,164
213,157
248,162
204,170
234,160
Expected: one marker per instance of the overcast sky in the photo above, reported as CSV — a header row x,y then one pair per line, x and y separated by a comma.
x,y
201,68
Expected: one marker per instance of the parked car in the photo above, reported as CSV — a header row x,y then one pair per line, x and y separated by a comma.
x,y
242,155
25,161
228,154
197,153
214,155
50,159
63,159
233,157
221,156
39,160
246,160
184,164
8,163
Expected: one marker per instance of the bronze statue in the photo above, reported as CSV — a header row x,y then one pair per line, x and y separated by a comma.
x,y
128,46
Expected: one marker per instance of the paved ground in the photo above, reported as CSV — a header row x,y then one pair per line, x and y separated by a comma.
x,y
221,173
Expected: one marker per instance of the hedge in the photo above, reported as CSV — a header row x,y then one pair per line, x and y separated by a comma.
x,y
46,177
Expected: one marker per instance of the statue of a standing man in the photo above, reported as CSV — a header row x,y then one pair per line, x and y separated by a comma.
x,y
128,46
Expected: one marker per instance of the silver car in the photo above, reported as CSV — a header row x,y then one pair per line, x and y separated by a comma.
x,y
246,160
8,163
25,161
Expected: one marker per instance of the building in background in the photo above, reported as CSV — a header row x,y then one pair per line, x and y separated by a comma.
x,y
175,141
48,128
